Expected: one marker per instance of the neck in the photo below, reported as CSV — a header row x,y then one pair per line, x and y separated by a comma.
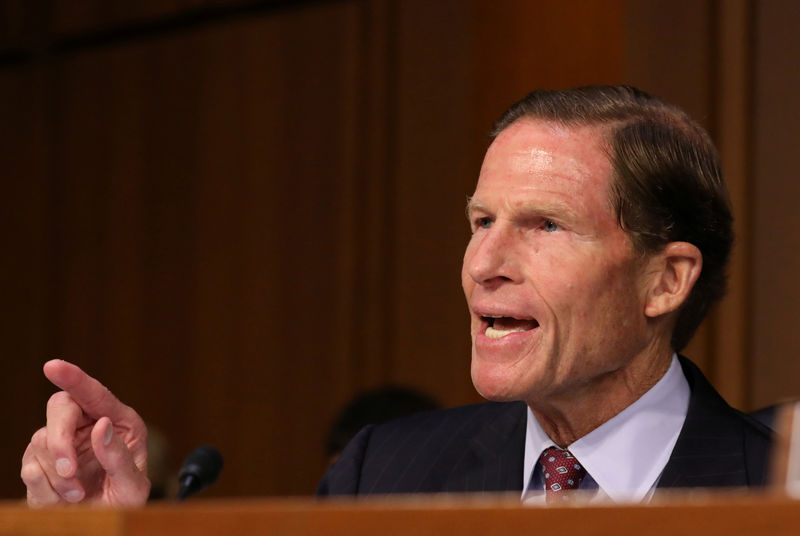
x,y
570,416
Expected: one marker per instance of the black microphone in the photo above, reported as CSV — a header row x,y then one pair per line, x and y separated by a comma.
x,y
200,469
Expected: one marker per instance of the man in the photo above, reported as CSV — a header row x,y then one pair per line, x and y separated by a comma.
x,y
600,234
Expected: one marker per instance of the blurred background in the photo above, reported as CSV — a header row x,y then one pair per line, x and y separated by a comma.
x,y
240,214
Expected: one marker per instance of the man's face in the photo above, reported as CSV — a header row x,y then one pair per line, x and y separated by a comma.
x,y
555,291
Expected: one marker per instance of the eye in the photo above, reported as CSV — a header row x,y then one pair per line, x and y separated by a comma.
x,y
550,226
483,223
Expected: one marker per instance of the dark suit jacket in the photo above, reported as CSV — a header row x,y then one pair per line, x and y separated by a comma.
x,y
481,448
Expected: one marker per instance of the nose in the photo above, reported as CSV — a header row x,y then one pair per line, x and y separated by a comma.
x,y
490,258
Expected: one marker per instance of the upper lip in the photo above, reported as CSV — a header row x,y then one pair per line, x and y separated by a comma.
x,y
497,311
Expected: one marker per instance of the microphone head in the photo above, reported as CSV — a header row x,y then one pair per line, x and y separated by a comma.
x,y
200,469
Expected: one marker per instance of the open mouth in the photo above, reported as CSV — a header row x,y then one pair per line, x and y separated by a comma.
x,y
500,326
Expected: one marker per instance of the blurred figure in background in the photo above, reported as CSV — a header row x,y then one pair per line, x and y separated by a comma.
x,y
374,407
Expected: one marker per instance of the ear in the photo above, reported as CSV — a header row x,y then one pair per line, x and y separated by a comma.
x,y
674,272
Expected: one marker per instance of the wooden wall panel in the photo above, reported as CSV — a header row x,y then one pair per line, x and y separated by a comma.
x,y
24,266
451,86
201,211
434,94
76,17
776,219
733,113
372,215
669,53
733,70
239,224
250,220
520,46
699,56
17,25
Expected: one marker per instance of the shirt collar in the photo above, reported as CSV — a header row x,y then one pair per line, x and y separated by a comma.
x,y
625,455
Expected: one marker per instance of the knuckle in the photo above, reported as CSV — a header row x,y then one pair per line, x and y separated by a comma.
x,y
133,414
39,437
139,426
31,474
98,399
58,399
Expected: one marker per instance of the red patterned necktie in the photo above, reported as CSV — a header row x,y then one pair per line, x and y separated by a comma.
x,y
562,473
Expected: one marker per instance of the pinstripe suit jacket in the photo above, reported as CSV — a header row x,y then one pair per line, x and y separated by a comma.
x,y
481,448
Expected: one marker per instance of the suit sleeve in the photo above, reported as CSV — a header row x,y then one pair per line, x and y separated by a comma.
x,y
344,476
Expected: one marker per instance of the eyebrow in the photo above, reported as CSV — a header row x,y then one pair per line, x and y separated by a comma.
x,y
559,210
472,205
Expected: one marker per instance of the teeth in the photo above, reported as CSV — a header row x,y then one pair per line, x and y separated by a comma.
x,y
494,333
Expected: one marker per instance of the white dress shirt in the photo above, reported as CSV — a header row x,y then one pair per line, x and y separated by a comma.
x,y
624,456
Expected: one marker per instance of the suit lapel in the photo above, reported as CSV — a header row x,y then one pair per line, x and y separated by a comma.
x,y
710,451
493,459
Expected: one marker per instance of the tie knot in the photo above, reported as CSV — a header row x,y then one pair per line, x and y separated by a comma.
x,y
561,471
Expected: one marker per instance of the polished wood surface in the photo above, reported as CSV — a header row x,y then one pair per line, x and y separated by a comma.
x,y
709,515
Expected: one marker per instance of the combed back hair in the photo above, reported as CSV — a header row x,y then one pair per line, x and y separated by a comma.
x,y
667,185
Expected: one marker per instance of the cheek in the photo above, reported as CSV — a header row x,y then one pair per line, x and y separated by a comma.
x,y
467,283
597,293
466,280
614,293
617,310
558,276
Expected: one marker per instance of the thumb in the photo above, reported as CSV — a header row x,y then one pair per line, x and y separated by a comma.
x,y
127,484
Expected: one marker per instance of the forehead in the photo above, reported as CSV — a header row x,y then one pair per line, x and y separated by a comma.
x,y
533,158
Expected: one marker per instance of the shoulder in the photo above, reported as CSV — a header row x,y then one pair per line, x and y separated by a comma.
x,y
446,421
713,427
707,403
419,453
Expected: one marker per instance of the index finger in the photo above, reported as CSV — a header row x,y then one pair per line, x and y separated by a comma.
x,y
93,397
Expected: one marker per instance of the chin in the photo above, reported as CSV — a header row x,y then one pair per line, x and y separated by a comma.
x,y
494,386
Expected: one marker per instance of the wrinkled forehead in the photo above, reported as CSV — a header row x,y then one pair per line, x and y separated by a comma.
x,y
551,152
543,163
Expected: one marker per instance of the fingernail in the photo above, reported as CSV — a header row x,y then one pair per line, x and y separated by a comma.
x,y
109,433
63,467
73,495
